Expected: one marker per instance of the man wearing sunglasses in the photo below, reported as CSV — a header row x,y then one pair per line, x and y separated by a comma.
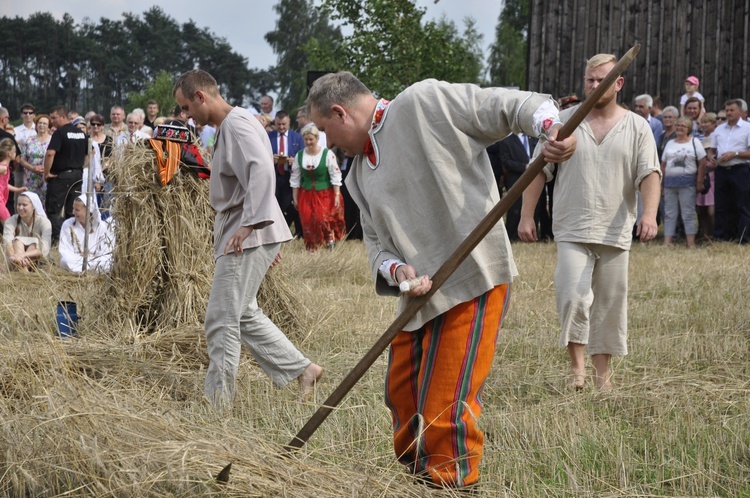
x,y
24,131
27,129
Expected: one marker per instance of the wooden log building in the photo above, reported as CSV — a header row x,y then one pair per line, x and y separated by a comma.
x,y
709,39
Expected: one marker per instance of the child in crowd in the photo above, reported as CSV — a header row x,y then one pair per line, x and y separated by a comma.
x,y
7,156
691,90
72,239
27,234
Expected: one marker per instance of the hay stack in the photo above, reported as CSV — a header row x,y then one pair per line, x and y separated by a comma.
x,y
163,257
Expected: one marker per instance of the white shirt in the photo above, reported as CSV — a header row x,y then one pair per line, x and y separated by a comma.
x,y
731,139
95,165
253,110
131,137
207,135
100,246
596,204
22,133
310,162
682,158
697,95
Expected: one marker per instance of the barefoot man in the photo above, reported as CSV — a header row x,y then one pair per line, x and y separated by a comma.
x,y
248,233
423,181
595,207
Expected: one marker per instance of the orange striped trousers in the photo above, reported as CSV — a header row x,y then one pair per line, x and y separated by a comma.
x,y
434,389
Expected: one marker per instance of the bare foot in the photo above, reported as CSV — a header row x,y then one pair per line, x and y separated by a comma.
x,y
576,380
308,379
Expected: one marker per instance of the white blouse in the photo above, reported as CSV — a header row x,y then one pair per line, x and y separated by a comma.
x,y
101,245
310,162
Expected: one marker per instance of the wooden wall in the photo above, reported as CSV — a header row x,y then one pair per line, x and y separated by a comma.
x,y
706,38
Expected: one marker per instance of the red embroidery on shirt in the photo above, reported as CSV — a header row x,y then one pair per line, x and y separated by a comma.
x,y
377,117
392,271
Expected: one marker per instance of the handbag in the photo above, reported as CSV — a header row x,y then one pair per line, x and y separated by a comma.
x,y
706,177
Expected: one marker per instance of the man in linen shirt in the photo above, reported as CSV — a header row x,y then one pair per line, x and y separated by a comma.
x,y
595,208
248,233
422,180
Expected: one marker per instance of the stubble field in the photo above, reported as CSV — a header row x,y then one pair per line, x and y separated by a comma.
x,y
119,412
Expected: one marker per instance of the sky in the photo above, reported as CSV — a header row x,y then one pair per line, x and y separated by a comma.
x,y
243,23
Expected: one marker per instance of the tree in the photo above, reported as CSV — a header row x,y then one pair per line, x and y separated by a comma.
x,y
299,23
390,47
113,64
160,90
203,49
507,62
95,65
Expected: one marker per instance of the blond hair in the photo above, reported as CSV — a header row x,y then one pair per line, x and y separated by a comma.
x,y
7,148
600,60
311,129
687,122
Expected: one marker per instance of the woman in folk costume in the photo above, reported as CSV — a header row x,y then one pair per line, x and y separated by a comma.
x,y
72,239
27,234
316,184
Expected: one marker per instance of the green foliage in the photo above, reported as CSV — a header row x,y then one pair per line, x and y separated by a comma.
x,y
299,23
97,64
40,57
508,54
160,90
391,47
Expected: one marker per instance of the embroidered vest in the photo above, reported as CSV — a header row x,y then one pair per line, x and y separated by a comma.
x,y
315,179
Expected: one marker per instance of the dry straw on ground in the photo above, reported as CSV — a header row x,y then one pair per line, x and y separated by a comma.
x,y
118,412
163,259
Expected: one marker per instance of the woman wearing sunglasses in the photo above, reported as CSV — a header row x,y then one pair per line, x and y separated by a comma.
x,y
101,152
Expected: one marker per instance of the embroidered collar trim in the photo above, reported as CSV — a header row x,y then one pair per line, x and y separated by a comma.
x,y
372,152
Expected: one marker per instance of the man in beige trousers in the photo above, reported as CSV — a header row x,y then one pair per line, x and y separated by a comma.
x,y
248,233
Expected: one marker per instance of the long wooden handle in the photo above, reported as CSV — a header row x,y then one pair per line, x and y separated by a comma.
x,y
458,256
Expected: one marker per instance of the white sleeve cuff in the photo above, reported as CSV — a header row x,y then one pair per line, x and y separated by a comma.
x,y
387,270
545,117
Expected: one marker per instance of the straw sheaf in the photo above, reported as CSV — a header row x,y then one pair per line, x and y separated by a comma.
x,y
163,258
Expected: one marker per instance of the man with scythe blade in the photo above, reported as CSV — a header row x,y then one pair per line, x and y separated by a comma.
x,y
423,181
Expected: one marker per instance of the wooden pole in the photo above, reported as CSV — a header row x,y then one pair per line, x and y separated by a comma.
x,y
458,256
89,199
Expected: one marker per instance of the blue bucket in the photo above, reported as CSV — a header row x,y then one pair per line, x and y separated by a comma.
x,y
66,320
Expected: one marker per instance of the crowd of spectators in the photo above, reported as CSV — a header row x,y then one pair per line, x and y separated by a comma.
x,y
705,160
46,160
49,158
45,166
309,179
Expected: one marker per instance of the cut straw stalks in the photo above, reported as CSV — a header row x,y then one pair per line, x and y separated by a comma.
x,y
163,257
